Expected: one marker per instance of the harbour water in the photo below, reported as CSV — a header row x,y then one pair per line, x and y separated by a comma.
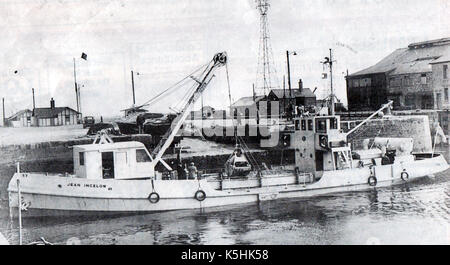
x,y
413,213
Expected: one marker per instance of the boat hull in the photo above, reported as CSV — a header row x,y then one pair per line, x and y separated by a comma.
x,y
43,195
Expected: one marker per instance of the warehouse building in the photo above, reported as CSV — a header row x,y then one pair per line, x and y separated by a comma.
x,y
408,76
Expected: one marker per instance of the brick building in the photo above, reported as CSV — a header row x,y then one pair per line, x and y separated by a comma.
x,y
440,79
412,77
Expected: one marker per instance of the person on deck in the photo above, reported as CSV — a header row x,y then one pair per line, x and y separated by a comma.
x,y
180,171
192,169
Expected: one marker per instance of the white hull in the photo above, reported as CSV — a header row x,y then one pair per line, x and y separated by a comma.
x,y
42,194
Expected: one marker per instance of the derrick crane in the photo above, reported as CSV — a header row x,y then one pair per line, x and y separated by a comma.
x,y
218,60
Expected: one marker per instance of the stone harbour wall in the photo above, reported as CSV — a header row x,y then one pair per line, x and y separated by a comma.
x,y
415,127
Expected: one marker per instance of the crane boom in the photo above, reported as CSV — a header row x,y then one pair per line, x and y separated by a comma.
x,y
219,59
370,117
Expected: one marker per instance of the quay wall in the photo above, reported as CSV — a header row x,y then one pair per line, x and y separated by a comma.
x,y
416,127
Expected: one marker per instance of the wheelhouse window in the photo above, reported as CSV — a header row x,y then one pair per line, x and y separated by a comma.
x,y
333,123
321,125
303,125
81,155
142,156
310,125
297,125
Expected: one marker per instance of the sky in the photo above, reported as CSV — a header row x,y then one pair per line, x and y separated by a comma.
x,y
164,41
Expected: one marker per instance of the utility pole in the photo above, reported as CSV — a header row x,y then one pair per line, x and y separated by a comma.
x,y
132,86
34,104
79,100
77,96
4,118
331,81
284,93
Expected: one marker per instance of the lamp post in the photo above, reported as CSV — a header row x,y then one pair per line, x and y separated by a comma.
x,y
289,74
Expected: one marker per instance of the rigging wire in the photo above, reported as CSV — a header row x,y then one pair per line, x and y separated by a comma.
x,y
176,85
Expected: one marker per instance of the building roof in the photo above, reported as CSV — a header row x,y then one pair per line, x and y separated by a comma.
x,y
414,59
305,92
443,59
110,146
246,101
20,112
42,113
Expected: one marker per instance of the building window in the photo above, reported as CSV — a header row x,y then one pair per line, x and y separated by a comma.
x,y
303,125
444,71
423,79
67,118
406,81
81,154
142,156
350,83
356,83
393,82
446,95
410,100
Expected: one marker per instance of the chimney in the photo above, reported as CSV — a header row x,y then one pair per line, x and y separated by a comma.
x,y
52,103
300,85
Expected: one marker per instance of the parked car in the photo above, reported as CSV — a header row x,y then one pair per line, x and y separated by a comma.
x,y
88,121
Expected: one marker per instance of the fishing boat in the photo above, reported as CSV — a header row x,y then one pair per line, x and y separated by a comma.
x,y
120,177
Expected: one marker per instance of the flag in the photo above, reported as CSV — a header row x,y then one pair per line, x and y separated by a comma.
x,y
324,75
84,56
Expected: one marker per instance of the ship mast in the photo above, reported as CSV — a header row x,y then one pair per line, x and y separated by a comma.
x,y
329,61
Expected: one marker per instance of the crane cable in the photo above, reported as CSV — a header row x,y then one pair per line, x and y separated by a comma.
x,y
192,89
176,85
239,139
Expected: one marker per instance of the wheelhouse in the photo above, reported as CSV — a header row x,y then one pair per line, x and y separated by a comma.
x,y
121,160
320,145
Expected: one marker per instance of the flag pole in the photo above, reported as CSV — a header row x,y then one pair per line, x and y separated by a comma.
x,y
434,143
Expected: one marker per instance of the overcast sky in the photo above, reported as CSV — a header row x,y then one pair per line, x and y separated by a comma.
x,y
166,40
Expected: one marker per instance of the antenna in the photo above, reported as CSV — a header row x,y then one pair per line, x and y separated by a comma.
x,y
266,65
